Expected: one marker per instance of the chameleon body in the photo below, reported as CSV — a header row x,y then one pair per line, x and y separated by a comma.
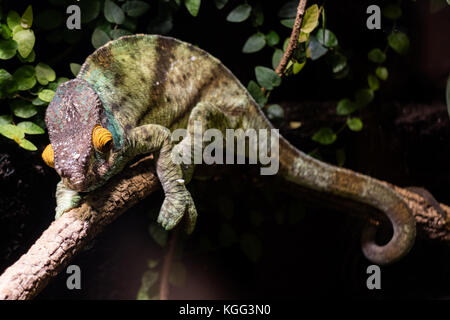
x,y
139,88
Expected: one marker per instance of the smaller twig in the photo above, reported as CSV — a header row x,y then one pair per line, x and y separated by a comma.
x,y
164,284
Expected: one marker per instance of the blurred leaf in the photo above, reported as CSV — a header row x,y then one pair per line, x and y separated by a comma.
x,y
75,68
288,10
392,11
257,94
345,107
25,77
8,49
303,37
354,124
310,19
117,33
99,38
382,73
27,18
5,76
326,38
149,279
272,38
23,109
373,82
113,13
27,145
46,95
240,13
89,10
254,43
5,31
257,16
30,58
376,56
297,67
289,23
38,102
44,73
338,62
5,119
267,78
324,136
30,128
193,6
399,41
177,276
13,19
276,58
11,131
25,42
251,246
363,97
135,8
316,49
220,3
158,234
275,111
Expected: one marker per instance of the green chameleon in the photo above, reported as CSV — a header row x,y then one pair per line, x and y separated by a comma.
x,y
130,94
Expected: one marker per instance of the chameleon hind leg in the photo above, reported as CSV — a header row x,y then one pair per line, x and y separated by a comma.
x,y
204,116
178,200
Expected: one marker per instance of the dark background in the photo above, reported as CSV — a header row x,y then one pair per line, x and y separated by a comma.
x,y
404,141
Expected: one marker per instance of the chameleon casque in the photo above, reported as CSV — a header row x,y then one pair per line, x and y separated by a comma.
x,y
129,95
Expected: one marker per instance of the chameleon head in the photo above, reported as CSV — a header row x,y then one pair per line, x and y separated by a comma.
x,y
81,146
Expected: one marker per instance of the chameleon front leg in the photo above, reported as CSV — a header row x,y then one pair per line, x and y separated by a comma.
x,y
178,200
66,199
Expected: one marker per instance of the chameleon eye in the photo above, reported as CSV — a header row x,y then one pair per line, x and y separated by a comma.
x,y
101,138
48,156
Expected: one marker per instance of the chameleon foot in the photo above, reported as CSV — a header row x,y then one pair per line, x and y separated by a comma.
x,y
66,199
174,207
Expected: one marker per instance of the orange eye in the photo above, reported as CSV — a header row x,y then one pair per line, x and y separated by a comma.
x,y
48,156
101,138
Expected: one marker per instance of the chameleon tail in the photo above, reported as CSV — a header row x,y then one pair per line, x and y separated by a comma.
x,y
304,170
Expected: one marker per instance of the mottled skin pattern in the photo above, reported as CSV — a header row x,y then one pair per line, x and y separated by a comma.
x,y
141,87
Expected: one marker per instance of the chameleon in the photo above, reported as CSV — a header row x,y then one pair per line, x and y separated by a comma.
x,y
133,91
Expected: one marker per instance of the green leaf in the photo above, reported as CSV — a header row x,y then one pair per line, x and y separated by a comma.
x,y
193,6
38,102
373,82
267,78
254,43
5,119
30,128
75,68
382,73
288,10
289,23
363,97
25,77
354,124
399,41
338,62
99,38
149,281
13,19
275,111
326,38
316,49
257,16
276,58
310,19
27,145
272,38
324,136
23,109
5,76
135,8
158,234
117,33
89,10
392,11
25,42
31,57
345,107
251,246
113,13
11,131
257,94
297,67
240,13
5,31
27,18
44,73
376,55
46,95
220,3
8,49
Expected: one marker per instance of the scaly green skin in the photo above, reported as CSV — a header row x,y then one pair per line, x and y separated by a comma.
x,y
148,85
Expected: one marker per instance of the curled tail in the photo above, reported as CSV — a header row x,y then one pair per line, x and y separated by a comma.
x,y
306,171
